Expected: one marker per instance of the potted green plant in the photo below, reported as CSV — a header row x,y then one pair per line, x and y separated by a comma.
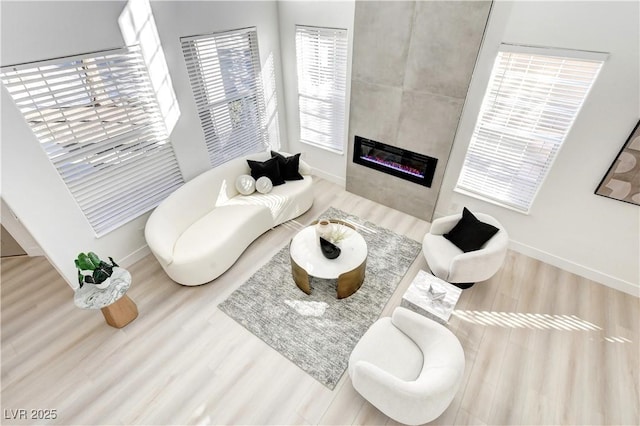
x,y
92,270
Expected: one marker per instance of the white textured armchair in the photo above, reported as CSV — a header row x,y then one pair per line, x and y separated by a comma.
x,y
408,366
451,264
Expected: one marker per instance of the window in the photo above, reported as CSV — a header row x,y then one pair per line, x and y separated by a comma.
x,y
97,119
224,70
532,100
322,77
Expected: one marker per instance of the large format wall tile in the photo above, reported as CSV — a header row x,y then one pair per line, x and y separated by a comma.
x,y
381,41
445,43
416,200
428,123
412,64
375,111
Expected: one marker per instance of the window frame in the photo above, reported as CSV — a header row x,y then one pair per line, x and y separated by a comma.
x,y
336,44
98,121
478,143
221,111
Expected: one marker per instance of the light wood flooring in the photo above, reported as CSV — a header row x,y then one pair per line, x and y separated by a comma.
x,y
542,346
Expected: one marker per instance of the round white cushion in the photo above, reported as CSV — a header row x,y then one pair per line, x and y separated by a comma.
x,y
264,185
245,184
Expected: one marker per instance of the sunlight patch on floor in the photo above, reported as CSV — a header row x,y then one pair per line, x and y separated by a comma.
x,y
526,320
618,339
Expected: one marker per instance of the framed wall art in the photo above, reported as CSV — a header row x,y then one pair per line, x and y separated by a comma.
x,y
622,181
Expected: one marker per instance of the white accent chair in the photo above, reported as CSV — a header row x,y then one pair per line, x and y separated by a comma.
x,y
451,264
408,366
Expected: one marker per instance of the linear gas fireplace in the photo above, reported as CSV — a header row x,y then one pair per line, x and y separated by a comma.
x,y
395,161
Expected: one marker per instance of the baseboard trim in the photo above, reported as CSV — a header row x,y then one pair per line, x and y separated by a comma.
x,y
330,177
575,268
135,256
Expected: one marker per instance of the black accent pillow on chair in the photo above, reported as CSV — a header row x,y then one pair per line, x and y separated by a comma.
x,y
470,234
288,166
269,168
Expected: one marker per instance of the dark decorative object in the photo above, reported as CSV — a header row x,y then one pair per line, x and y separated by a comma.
x,y
269,168
288,166
622,181
408,165
329,250
470,234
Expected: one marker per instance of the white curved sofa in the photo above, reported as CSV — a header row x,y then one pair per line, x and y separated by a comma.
x,y
201,229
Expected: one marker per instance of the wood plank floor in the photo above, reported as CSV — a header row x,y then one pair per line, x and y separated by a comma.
x,y
542,346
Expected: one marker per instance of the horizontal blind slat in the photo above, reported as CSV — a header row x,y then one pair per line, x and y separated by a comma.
x,y
98,120
224,73
529,107
144,165
321,64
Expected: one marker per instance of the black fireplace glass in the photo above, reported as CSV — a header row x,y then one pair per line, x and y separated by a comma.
x,y
402,163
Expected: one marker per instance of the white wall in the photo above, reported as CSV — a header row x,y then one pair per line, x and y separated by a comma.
x,y
33,31
176,19
31,186
18,231
568,225
334,14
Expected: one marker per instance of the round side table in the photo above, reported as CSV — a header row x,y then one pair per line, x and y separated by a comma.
x,y
118,309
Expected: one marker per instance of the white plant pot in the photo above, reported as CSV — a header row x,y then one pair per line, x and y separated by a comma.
x,y
324,228
104,284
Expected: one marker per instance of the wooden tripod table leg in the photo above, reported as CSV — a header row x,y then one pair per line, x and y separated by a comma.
x,y
121,312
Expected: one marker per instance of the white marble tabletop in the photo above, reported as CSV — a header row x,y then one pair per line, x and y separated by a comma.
x,y
91,297
305,251
417,295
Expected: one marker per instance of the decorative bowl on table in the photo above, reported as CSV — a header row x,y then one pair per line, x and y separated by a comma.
x,y
435,295
329,250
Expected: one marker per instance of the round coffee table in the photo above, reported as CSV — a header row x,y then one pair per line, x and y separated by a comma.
x,y
348,268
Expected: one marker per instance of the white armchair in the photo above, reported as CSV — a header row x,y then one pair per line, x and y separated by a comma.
x,y
408,366
451,264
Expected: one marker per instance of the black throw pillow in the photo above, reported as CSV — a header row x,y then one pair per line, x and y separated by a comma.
x,y
470,234
269,168
288,166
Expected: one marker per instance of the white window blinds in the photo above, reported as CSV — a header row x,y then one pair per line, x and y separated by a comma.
x,y
98,120
322,77
531,102
224,70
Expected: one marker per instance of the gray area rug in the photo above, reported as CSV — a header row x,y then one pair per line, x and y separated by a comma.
x,y
317,332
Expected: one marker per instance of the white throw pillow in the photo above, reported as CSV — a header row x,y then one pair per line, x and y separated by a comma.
x,y
264,185
245,184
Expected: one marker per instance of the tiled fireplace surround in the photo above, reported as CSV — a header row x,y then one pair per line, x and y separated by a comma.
x,y
412,64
